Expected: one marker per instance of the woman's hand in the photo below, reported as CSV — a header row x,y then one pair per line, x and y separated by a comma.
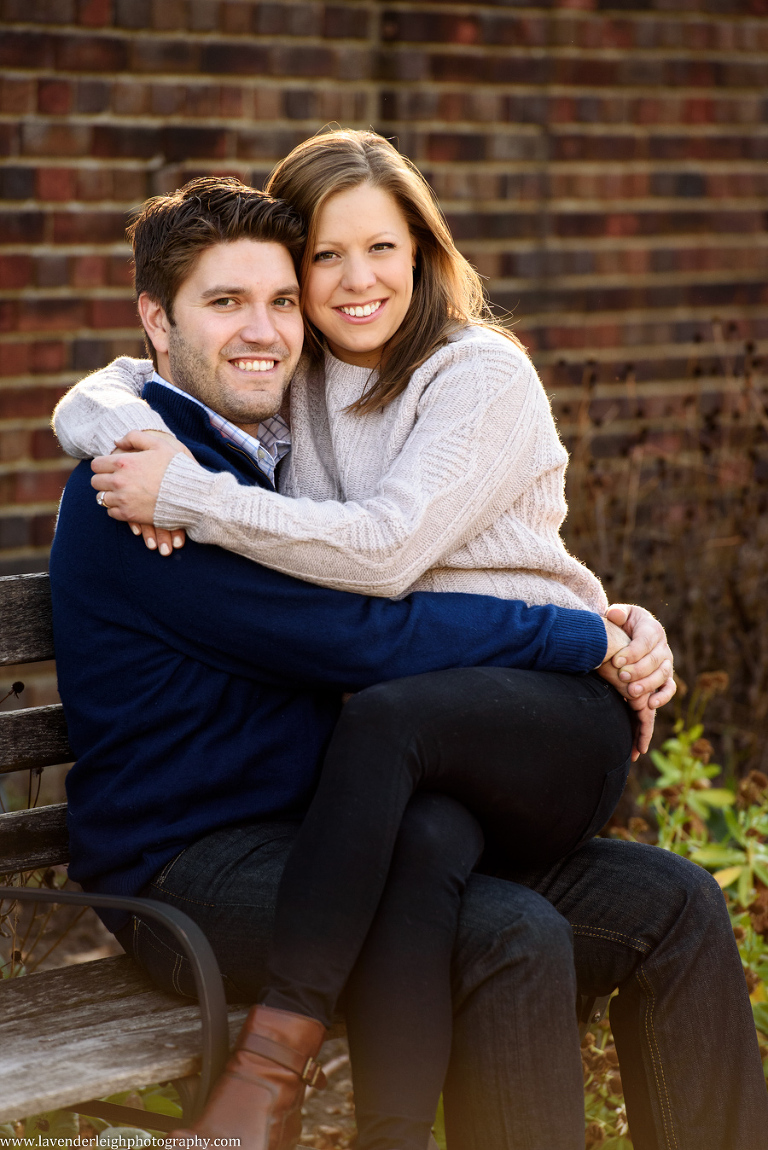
x,y
130,479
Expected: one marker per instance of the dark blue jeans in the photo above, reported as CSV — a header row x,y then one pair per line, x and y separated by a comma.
x,y
613,914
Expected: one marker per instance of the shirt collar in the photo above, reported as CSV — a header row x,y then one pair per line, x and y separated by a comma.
x,y
266,451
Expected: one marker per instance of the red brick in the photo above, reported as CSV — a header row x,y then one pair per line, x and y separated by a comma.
x,y
88,227
96,183
21,227
51,270
55,139
39,486
15,271
27,402
94,13
168,14
106,313
125,142
161,56
50,314
91,54
42,529
47,356
56,183
9,139
130,98
14,359
14,445
89,271
44,444
54,97
27,50
119,271
236,17
235,59
17,96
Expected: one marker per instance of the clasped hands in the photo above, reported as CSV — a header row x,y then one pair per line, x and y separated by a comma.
x,y
638,661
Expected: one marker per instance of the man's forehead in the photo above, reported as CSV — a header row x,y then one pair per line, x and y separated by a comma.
x,y
253,266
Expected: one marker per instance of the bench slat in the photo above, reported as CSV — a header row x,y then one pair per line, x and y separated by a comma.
x,y
86,1031
26,627
34,737
32,839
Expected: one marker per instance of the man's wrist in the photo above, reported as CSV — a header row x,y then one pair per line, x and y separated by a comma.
x,y
616,639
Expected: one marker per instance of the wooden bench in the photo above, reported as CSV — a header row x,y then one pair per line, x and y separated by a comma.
x,y
70,1036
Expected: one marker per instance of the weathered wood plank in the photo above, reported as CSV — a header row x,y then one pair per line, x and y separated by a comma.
x,y
80,1033
32,839
34,737
26,627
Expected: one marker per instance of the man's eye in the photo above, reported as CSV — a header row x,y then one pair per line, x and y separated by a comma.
x,y
285,302
225,301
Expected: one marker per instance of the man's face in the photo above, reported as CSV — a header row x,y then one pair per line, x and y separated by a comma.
x,y
238,330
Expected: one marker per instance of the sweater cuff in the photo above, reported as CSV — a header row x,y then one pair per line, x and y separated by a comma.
x,y
185,491
580,636
115,422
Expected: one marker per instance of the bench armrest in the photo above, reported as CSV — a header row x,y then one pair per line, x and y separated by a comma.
x,y
205,969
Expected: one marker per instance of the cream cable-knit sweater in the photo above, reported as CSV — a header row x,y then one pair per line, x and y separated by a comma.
x,y
457,485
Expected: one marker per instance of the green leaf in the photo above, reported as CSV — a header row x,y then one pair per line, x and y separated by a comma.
x,y
717,797
159,1104
761,870
50,1124
725,877
438,1130
760,1012
745,891
718,856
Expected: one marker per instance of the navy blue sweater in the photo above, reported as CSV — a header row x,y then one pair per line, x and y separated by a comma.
x,y
201,689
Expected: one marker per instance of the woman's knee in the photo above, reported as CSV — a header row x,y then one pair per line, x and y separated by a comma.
x,y
436,833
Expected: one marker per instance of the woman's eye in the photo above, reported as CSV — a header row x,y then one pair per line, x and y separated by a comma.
x,y
323,257
382,247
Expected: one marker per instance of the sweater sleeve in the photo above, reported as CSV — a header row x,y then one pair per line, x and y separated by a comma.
x,y
103,407
483,432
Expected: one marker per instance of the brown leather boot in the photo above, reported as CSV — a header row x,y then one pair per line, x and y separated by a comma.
x,y
258,1097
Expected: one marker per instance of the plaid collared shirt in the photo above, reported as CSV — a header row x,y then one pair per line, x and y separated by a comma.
x,y
274,440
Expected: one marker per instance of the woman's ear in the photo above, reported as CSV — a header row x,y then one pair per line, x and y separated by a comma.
x,y
155,321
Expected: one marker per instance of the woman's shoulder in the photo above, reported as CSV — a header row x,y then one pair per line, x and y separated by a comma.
x,y
481,353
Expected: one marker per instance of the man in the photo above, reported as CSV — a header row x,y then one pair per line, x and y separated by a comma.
x,y
200,693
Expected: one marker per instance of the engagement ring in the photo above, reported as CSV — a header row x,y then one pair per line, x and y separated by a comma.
x,y
100,499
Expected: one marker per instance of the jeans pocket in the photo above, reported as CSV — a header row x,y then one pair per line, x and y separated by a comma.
x,y
613,787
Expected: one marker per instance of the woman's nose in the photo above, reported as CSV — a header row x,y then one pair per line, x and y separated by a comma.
x,y
358,274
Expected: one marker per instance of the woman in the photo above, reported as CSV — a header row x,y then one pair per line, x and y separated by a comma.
x,y
432,428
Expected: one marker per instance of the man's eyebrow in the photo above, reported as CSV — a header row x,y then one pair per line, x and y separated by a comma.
x,y
221,291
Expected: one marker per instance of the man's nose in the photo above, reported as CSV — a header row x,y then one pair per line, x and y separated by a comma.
x,y
259,326
359,274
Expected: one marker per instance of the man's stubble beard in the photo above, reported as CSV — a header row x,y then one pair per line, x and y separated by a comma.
x,y
193,373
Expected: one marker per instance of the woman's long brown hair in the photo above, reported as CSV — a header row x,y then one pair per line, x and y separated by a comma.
x,y
447,291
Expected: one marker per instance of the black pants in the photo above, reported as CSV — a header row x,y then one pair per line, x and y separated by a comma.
x,y
539,759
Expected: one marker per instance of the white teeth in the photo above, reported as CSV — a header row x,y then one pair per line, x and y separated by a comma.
x,y
255,364
359,312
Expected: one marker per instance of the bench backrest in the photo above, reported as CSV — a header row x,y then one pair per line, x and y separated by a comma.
x,y
34,737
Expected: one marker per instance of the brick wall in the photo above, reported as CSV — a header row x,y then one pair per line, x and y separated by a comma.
x,y
603,165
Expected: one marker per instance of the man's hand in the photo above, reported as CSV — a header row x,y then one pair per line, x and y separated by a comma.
x,y
131,477
645,715
645,663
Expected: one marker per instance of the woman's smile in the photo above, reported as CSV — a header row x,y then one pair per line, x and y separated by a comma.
x,y
360,284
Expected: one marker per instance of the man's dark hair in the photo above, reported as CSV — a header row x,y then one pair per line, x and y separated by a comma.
x,y
169,233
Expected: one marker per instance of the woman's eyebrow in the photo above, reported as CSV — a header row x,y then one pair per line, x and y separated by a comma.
x,y
321,243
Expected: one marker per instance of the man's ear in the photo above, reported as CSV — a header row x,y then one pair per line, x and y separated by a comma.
x,y
155,321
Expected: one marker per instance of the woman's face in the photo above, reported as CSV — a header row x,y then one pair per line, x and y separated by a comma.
x,y
361,277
